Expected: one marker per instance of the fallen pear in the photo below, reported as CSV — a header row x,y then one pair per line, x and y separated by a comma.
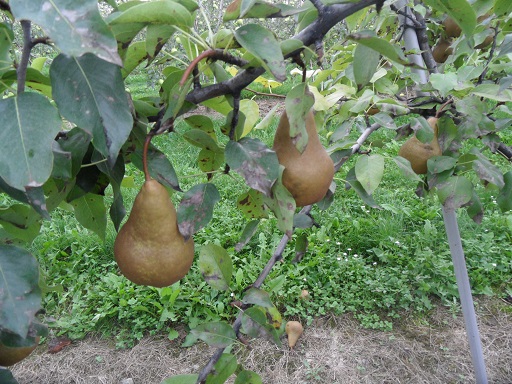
x,y
12,355
308,175
293,329
149,249
418,153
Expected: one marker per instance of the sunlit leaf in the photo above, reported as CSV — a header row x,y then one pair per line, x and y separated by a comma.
x,y
155,12
252,205
181,379
76,27
369,171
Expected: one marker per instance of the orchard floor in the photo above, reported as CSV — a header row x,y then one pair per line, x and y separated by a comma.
x,y
430,349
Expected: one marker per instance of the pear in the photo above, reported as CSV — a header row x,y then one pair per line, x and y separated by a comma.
x,y
308,175
293,329
442,50
418,153
451,28
149,249
12,355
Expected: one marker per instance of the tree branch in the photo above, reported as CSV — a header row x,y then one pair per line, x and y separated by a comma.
x,y
21,71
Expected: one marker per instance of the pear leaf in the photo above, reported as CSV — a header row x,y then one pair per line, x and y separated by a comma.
x,y
504,199
224,368
257,296
252,205
215,334
405,167
365,64
196,208
351,179
248,377
255,324
282,204
90,92
369,171
456,192
90,211
29,126
247,234
262,44
181,379
20,296
160,168
76,27
298,104
459,10
215,266
257,163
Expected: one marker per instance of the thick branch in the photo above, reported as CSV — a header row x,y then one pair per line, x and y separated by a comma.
x,y
330,16
25,55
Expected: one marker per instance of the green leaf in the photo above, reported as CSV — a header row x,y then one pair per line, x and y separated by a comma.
x,y
263,45
75,142
252,205
196,208
369,171
252,9
505,197
440,164
29,126
135,54
405,167
257,296
6,39
384,47
365,64
6,377
210,161
459,10
20,296
301,247
282,204
248,377
493,92
215,334
204,123
252,159
351,179
90,92
456,192
90,211
166,12
247,234
475,209
298,104
76,27
502,7
156,37
21,221
444,82
224,368
160,168
216,266
201,139
486,170
181,379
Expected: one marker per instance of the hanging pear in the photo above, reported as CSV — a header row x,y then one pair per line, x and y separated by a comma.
x,y
149,249
308,175
418,153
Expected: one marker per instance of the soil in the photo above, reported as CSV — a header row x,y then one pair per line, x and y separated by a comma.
x,y
420,350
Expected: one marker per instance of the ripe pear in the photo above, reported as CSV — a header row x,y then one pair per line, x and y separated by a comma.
x,y
488,41
418,153
293,329
442,50
149,248
12,355
451,28
308,175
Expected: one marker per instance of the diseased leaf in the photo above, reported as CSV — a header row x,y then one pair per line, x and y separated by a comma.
x,y
298,104
6,376
29,126
196,208
90,211
6,39
282,204
21,222
456,192
76,27
475,209
248,377
257,296
201,139
160,168
210,161
504,199
216,266
20,296
252,205
263,45
255,324
486,170
223,369
90,92
257,163
215,334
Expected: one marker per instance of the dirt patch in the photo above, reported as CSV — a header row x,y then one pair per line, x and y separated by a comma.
x,y
426,350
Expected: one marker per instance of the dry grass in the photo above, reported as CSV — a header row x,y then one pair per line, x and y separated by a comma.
x,y
332,350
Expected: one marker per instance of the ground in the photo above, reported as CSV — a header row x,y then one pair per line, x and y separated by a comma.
x,y
427,349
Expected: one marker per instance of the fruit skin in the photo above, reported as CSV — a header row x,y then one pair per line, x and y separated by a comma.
x,y
451,28
12,355
308,175
149,249
418,153
442,50
488,41
293,329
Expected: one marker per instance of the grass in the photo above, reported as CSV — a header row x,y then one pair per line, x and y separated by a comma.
x,y
373,263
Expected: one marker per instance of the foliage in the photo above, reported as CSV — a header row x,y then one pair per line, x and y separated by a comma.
x,y
71,127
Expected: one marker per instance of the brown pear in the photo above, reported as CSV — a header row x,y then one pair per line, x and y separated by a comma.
x,y
293,329
418,153
308,175
451,28
12,355
149,248
487,41
442,50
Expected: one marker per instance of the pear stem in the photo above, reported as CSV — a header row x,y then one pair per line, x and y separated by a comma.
x,y
145,156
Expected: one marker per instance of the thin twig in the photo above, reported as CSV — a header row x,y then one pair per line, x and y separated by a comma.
x,y
489,59
25,55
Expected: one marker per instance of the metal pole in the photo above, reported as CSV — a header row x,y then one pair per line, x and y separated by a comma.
x,y
466,299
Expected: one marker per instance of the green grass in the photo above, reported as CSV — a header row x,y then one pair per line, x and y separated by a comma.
x,y
373,263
